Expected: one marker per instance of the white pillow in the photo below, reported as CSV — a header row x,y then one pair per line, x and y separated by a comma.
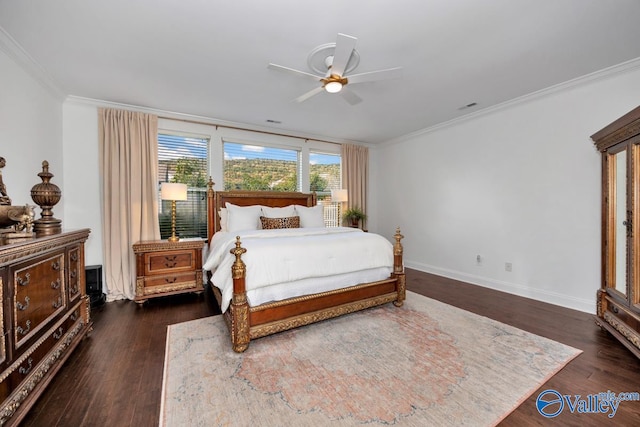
x,y
311,217
243,217
223,219
285,212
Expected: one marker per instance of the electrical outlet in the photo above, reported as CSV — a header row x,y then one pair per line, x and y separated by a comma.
x,y
508,266
478,260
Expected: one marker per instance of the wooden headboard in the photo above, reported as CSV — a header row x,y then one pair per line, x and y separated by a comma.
x,y
275,199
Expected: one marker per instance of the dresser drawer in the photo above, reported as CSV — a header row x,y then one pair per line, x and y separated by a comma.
x,y
39,296
41,355
163,262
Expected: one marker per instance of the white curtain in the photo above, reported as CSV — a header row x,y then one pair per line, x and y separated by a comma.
x,y
129,171
355,175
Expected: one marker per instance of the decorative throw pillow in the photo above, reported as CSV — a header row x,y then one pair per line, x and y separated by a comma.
x,y
311,217
276,223
278,212
243,217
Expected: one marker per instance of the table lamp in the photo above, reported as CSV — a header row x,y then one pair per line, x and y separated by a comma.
x,y
339,197
173,191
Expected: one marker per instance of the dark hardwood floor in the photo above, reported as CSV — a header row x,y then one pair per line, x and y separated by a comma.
x,y
114,377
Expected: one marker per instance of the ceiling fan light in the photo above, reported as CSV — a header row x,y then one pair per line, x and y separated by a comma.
x,y
333,87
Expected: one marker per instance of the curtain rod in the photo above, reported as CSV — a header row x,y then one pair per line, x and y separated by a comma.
x,y
197,122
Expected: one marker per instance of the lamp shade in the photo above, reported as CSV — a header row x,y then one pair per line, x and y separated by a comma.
x,y
339,195
173,191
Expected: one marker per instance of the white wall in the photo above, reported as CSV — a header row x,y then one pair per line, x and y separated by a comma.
x,y
30,132
519,184
82,175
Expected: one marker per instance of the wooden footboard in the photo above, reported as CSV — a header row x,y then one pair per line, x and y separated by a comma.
x,y
247,323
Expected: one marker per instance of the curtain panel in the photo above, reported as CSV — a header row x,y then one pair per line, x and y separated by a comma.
x,y
128,146
355,175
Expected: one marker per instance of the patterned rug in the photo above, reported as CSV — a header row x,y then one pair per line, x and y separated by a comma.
x,y
424,364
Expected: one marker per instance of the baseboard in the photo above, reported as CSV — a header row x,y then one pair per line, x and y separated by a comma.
x,y
554,298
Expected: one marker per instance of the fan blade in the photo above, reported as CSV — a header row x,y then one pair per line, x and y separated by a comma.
x,y
350,97
294,71
391,73
309,94
342,53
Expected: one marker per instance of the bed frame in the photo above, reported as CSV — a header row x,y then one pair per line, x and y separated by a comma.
x,y
246,323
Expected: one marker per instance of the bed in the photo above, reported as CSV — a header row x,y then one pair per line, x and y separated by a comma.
x,y
252,310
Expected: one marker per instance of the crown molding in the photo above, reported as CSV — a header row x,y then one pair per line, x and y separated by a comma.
x,y
172,115
579,81
11,47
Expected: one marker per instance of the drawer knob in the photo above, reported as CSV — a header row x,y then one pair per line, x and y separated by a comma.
x,y
56,284
24,332
23,307
58,334
615,309
25,281
171,280
55,265
25,371
170,261
57,303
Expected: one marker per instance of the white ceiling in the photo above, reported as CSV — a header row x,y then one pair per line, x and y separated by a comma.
x,y
209,58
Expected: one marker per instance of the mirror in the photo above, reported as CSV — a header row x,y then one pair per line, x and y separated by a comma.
x,y
620,221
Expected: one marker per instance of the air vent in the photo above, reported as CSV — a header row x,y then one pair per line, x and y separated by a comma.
x,y
464,107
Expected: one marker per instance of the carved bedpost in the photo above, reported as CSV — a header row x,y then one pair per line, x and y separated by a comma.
x,y
239,307
398,268
212,212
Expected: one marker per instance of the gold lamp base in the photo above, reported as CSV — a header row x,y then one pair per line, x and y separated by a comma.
x,y
173,237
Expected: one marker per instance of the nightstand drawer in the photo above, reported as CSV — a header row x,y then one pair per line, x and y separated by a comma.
x,y
169,261
171,283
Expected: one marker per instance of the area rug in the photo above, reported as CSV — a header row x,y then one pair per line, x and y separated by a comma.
x,y
424,364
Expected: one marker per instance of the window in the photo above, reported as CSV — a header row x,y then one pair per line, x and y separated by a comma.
x,y
266,168
324,176
256,167
183,159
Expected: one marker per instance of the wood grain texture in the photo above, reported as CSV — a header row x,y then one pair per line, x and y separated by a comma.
x,y
115,376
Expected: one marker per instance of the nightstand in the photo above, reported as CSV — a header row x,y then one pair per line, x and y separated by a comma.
x,y
168,268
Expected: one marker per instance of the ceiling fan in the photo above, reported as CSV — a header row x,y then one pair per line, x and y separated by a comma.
x,y
337,60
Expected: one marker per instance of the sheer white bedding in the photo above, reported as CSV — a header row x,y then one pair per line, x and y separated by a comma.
x,y
292,262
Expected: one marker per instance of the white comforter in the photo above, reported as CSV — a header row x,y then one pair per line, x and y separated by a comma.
x,y
288,255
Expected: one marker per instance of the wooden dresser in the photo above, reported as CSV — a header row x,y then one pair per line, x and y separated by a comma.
x,y
44,315
168,268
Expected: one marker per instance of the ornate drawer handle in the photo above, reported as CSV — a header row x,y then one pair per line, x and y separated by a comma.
x,y
74,257
74,316
24,332
615,309
55,265
170,261
23,282
56,284
58,334
26,304
57,303
74,289
25,371
172,280
73,273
